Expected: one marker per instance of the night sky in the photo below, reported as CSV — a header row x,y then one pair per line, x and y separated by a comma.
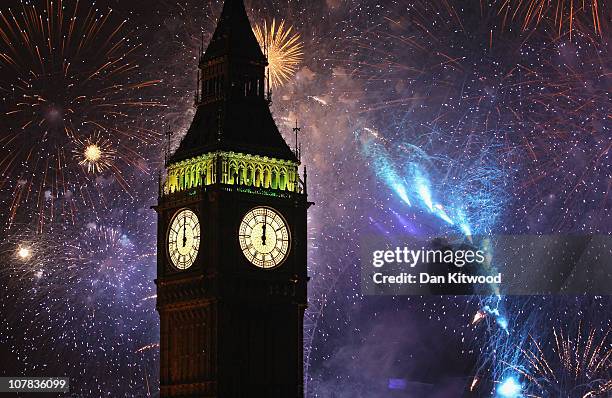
x,y
417,117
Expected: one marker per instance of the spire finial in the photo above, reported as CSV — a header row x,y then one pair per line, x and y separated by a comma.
x,y
296,130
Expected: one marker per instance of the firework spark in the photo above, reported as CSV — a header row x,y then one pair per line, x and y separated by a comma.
x,y
284,50
95,154
67,71
24,253
565,15
86,282
148,347
479,316
578,365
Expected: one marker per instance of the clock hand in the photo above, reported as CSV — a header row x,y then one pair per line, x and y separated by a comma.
x,y
184,233
263,231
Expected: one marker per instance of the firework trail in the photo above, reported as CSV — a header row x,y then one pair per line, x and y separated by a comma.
x,y
70,79
580,365
566,15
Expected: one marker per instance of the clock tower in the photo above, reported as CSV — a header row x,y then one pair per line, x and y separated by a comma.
x,y
231,252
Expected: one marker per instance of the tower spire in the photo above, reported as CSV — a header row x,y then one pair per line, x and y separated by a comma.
x,y
232,111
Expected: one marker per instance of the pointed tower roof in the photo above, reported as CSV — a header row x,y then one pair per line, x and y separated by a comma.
x,y
234,36
232,112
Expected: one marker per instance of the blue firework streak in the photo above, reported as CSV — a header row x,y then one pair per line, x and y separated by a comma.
x,y
466,194
499,355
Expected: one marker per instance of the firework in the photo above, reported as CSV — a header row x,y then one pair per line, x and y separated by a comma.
x,y
458,88
95,154
478,316
578,365
148,347
509,388
68,72
436,75
421,73
525,359
24,253
474,194
566,15
283,48
76,290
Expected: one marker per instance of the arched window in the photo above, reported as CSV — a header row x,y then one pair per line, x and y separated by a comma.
x,y
240,176
232,174
283,180
249,177
273,181
257,177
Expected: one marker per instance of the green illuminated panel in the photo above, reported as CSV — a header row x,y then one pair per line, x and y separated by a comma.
x,y
232,169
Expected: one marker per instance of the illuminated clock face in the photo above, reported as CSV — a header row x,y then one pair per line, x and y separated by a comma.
x,y
264,237
184,239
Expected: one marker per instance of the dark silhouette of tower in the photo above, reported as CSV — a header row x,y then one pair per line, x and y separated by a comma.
x,y
232,241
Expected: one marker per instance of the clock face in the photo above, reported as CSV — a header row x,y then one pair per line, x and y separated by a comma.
x,y
264,237
184,239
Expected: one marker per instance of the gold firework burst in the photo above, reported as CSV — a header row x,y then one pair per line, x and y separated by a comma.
x,y
95,154
283,48
24,253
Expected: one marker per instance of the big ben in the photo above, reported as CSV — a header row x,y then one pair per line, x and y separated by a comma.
x,y
232,276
